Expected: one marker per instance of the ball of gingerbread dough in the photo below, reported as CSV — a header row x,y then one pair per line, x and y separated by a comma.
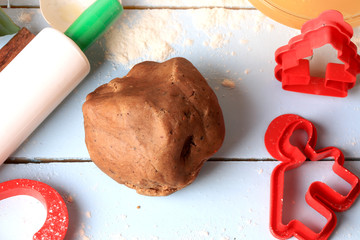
x,y
153,129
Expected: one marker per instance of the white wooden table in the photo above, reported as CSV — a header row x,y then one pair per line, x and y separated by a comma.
x,y
230,197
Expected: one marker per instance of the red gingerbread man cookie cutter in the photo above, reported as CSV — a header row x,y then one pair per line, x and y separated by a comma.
x,y
293,69
319,196
56,223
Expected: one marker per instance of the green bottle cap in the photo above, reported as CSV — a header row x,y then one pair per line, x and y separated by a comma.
x,y
93,22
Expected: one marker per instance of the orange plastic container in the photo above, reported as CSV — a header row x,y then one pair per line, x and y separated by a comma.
x,y
294,13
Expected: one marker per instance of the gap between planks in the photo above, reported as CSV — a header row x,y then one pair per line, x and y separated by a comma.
x,y
144,7
49,160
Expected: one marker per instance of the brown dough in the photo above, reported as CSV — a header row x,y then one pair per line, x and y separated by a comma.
x,y
153,129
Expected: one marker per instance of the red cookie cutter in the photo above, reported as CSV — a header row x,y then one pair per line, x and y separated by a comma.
x,y
319,196
294,71
56,223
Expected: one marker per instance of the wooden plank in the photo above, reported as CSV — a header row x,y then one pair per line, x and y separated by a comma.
x,y
228,200
182,3
238,45
153,3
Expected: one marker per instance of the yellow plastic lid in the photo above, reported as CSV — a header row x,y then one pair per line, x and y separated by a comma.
x,y
294,13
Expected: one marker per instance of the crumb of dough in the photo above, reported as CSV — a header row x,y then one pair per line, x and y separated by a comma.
x,y
356,40
69,199
204,233
88,214
82,233
244,41
189,42
228,83
270,27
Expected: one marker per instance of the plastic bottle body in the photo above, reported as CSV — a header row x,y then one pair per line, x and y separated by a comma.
x,y
35,83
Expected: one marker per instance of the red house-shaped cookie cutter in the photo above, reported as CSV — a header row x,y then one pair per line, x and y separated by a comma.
x,y
319,196
294,71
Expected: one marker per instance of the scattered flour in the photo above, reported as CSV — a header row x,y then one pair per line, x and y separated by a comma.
x,y
117,237
209,20
259,22
154,34
217,41
270,27
257,28
353,141
25,17
149,37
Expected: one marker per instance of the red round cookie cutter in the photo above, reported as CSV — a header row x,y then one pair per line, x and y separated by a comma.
x,y
293,70
319,196
56,223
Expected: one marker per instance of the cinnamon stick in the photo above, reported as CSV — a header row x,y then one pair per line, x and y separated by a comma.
x,y
14,47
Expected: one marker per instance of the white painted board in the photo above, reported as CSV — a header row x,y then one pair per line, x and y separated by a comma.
x,y
228,200
240,48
